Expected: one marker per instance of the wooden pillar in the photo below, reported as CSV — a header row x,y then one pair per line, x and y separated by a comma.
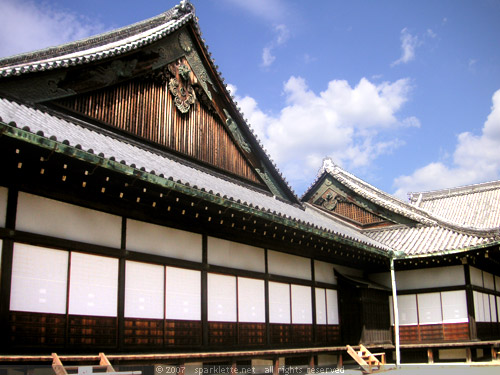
x,y
276,366
266,298
468,354
470,303
430,356
181,368
121,286
204,291
494,353
311,363
6,268
340,361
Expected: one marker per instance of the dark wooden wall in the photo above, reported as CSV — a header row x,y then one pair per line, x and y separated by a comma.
x,y
146,109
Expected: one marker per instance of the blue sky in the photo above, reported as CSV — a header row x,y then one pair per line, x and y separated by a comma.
x,y
404,94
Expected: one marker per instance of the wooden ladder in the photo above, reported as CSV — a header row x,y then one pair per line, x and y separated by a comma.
x,y
104,367
368,361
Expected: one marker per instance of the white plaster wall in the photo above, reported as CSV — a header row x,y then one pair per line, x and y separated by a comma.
x,y
235,255
159,240
323,272
58,219
289,265
430,278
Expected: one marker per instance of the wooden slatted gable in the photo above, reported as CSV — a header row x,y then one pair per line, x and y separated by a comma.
x,y
145,107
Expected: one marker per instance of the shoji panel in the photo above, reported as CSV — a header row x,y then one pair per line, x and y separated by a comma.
x,y
221,298
429,308
323,272
93,285
332,306
58,219
279,303
320,306
289,265
144,290
251,300
183,294
235,255
454,306
39,279
430,278
407,307
476,276
159,240
301,304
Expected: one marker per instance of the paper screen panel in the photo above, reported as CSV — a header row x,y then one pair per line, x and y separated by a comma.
x,y
454,306
323,272
144,290
332,306
159,240
478,306
488,280
251,300
407,308
430,278
279,303
221,298
493,308
39,279
320,305
476,276
183,294
93,285
429,308
301,304
289,265
235,255
486,305
58,219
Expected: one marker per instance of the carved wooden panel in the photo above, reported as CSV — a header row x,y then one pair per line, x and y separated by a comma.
x,y
146,108
147,332
182,333
251,333
92,330
281,333
37,329
222,333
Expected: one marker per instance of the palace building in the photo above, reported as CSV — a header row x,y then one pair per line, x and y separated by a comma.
x,y
140,215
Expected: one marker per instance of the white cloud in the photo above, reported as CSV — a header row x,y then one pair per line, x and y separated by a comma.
x,y
27,26
408,45
475,159
350,124
281,36
271,10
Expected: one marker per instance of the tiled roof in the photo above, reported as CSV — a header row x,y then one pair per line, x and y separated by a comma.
x,y
474,205
426,239
432,234
99,47
74,132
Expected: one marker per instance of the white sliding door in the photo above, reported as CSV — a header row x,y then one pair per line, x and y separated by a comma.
x,y
39,279
93,285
